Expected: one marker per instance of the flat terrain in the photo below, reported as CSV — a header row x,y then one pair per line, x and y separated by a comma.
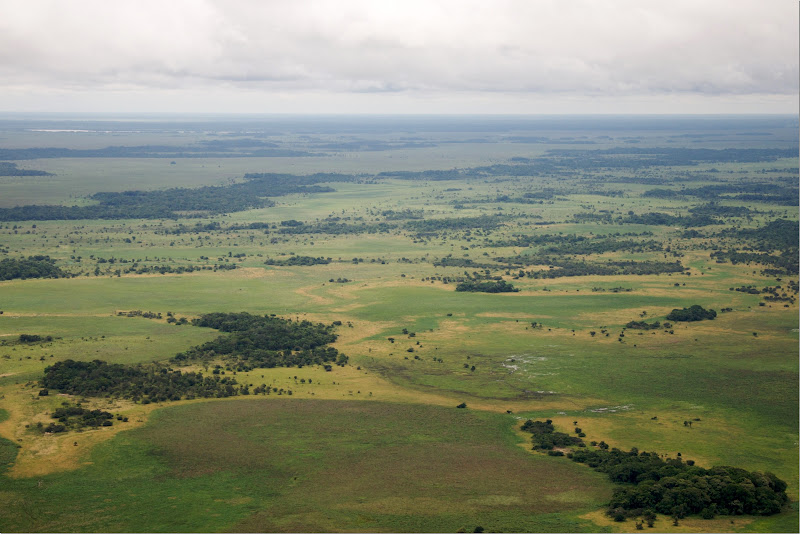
x,y
308,465
600,226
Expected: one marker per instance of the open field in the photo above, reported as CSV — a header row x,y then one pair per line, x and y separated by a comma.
x,y
272,465
377,444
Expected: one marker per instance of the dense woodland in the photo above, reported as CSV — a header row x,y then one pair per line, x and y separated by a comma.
x,y
653,483
145,383
255,341
31,267
186,202
692,313
474,286
563,267
302,261
428,226
333,227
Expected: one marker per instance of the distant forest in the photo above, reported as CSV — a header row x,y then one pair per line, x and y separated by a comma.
x,y
257,187
184,202
11,169
232,148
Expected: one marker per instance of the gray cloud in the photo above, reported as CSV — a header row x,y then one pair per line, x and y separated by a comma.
x,y
426,49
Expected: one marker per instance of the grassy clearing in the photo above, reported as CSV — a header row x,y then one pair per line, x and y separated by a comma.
x,y
86,337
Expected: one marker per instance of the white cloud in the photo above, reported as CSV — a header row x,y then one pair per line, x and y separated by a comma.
x,y
557,49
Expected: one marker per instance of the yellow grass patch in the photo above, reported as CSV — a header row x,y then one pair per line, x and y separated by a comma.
x,y
512,315
306,292
664,524
41,455
255,272
663,434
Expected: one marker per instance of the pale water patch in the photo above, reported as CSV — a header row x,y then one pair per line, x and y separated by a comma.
x,y
612,409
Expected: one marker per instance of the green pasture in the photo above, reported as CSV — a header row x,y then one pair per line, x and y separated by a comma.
x,y
302,465
191,294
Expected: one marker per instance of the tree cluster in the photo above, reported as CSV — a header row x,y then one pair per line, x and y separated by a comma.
x,y
76,417
148,383
674,487
692,313
600,246
767,191
786,262
573,243
34,338
474,286
449,261
644,325
720,210
778,235
670,486
426,226
255,341
30,267
563,267
336,228
292,261
140,313
664,219
546,438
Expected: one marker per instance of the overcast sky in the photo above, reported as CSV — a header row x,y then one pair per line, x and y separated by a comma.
x,y
407,56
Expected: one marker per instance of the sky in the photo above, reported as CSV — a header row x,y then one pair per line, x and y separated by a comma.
x,y
400,57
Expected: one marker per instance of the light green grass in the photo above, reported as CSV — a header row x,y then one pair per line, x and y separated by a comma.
x,y
111,338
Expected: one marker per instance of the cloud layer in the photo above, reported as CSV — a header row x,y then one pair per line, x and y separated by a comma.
x,y
626,49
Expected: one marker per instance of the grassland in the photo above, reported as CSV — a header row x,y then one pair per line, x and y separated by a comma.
x,y
378,444
272,465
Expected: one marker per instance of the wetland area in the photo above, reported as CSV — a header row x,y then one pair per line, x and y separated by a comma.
x,y
299,323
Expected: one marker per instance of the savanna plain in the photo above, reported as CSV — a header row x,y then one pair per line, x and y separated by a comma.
x,y
425,324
